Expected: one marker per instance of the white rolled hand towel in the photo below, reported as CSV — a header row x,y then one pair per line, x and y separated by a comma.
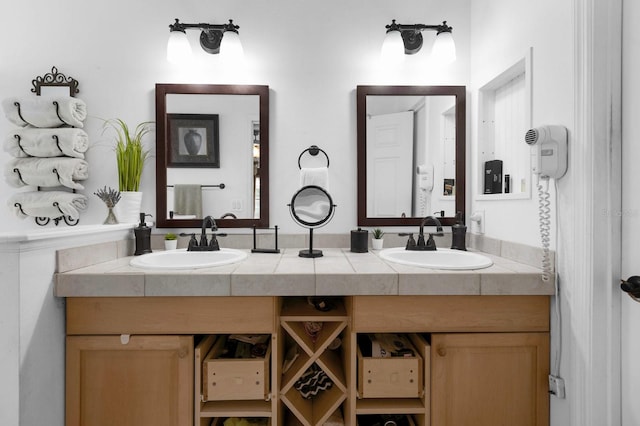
x,y
41,111
51,204
46,172
34,142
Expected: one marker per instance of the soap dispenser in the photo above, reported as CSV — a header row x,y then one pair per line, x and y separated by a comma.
x,y
459,234
143,236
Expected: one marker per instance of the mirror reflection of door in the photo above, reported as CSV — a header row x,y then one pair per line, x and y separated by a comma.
x,y
389,164
402,185
411,149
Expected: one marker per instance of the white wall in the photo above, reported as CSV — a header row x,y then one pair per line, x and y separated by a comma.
x,y
502,33
311,54
630,210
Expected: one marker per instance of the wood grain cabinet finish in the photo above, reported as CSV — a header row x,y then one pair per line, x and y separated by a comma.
x,y
489,379
147,381
484,359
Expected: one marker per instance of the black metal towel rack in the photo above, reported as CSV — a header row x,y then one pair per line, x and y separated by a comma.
x,y
221,186
313,150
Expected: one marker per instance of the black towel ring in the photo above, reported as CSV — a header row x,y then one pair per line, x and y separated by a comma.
x,y
313,150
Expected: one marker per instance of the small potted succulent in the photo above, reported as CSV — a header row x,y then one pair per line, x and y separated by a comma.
x,y
377,241
170,241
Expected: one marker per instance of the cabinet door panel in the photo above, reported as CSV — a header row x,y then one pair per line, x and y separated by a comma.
x,y
490,379
147,381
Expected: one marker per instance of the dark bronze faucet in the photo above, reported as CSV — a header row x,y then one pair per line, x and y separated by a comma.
x,y
430,244
203,244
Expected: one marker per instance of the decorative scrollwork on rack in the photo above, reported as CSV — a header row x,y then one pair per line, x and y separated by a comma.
x,y
54,78
42,221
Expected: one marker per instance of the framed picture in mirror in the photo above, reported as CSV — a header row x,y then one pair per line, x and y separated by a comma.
x,y
194,140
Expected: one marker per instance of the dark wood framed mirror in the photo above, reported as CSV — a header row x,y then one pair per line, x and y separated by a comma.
x,y
230,184
411,154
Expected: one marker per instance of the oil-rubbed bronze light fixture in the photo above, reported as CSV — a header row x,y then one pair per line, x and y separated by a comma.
x,y
214,38
404,39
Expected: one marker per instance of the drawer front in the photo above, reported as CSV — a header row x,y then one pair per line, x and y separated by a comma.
x,y
170,315
450,313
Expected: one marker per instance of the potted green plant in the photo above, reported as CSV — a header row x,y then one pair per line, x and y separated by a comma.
x,y
377,240
170,241
130,158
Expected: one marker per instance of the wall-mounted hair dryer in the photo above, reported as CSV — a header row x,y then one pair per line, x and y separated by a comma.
x,y
548,150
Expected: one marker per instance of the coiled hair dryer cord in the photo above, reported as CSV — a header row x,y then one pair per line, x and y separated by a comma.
x,y
544,213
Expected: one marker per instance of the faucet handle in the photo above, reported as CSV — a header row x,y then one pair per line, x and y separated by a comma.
x,y
192,241
213,243
431,244
410,241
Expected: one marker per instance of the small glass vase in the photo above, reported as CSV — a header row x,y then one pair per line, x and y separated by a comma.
x,y
111,218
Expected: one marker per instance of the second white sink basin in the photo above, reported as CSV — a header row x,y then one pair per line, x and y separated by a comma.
x,y
440,259
183,259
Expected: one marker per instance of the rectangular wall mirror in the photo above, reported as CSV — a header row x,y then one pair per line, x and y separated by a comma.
x,y
212,155
411,154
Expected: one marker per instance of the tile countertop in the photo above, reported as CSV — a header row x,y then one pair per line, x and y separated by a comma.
x,y
338,273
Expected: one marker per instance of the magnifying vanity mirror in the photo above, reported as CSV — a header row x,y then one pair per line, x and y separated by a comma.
x,y
311,207
411,154
212,155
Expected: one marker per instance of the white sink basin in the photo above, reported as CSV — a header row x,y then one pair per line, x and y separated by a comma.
x,y
440,259
183,259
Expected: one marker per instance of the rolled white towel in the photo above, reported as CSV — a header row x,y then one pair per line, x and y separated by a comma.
x,y
40,172
43,204
34,142
40,111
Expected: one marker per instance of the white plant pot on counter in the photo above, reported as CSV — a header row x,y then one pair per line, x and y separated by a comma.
x,y
170,244
128,208
376,244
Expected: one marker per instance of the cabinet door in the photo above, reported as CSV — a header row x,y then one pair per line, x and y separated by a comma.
x,y
490,379
145,381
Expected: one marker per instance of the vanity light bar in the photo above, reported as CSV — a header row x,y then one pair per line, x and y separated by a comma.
x,y
407,39
214,39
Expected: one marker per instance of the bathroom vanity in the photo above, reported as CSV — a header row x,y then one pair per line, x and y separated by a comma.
x,y
137,339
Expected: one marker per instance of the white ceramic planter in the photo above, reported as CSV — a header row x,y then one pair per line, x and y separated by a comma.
x,y
128,208
376,244
170,244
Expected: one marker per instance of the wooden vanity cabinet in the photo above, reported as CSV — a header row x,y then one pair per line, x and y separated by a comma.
x,y
485,359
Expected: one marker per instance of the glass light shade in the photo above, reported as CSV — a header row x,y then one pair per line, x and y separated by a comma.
x,y
178,47
231,47
392,48
444,48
